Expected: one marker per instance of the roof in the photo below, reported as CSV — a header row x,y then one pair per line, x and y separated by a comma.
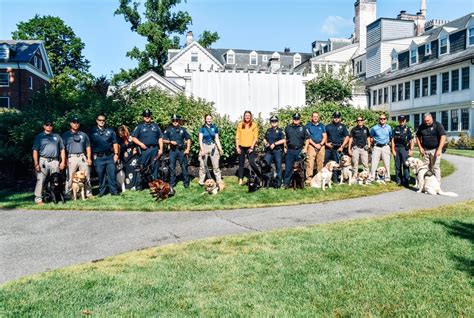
x,y
21,50
457,24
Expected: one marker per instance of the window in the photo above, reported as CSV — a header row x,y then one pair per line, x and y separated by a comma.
x,y
471,36
4,51
433,84
230,58
380,96
374,98
424,84
394,93
316,68
416,122
445,119
428,49
5,102
407,90
323,68
433,114
417,88
330,68
40,64
253,58
30,82
296,60
194,57
454,80
445,82
443,45
394,64
4,79
413,58
465,78
385,95
394,118
400,92
465,119
454,120
35,61
264,58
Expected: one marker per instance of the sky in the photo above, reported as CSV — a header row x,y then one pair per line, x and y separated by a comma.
x,y
241,24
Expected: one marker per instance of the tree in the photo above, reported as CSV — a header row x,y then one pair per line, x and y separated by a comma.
x,y
207,38
160,25
330,87
63,47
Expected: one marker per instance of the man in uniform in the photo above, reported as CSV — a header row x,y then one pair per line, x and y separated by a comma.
x,y
296,136
179,142
431,138
48,147
402,147
315,145
149,138
105,150
381,135
274,141
338,137
359,144
79,154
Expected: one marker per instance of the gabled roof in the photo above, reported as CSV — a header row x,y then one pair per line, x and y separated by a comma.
x,y
187,48
22,51
451,26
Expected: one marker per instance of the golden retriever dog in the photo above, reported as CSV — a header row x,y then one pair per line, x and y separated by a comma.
x,y
362,177
426,181
380,175
212,187
79,184
345,164
324,177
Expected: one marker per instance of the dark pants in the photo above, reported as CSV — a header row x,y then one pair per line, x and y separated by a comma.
x,y
105,166
148,157
332,154
176,154
402,172
251,157
292,155
275,155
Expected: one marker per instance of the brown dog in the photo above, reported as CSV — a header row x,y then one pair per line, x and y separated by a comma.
x,y
212,187
160,190
297,178
78,184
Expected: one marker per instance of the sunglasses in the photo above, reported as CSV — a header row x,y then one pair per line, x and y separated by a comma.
x,y
382,118
48,124
359,120
101,120
175,120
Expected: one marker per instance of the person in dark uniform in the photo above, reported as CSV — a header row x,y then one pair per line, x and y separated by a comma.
x,y
179,142
274,141
105,151
149,138
402,147
359,145
296,136
79,154
338,138
48,148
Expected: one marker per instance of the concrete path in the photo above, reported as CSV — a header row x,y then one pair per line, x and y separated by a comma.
x,y
37,241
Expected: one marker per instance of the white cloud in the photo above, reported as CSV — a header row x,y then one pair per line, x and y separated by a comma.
x,y
334,24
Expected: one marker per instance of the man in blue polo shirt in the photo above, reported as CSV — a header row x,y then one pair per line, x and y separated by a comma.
x,y
315,146
381,135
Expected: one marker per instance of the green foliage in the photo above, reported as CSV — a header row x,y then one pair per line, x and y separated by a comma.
x,y
463,142
63,47
207,38
330,87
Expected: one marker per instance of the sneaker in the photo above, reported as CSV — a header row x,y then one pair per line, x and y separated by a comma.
x,y
241,182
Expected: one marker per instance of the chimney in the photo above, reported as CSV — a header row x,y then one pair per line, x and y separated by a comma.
x,y
189,38
287,50
423,8
365,14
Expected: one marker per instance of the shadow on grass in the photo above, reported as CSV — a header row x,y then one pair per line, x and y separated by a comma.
x,y
14,200
465,231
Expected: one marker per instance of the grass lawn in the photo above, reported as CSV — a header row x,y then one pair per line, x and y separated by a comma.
x,y
460,152
416,264
193,199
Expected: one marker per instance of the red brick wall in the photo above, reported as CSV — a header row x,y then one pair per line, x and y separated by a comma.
x,y
18,91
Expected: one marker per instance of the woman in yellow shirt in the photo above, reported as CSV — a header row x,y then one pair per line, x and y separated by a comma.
x,y
245,141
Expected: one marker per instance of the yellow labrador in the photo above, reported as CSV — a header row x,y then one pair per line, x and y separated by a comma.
x,y
324,177
346,170
78,184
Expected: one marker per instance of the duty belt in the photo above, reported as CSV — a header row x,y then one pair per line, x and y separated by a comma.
x,y
75,155
381,145
294,148
104,153
49,159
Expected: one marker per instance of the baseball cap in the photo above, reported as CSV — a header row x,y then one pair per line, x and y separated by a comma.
x,y
47,121
336,115
74,119
147,113
296,116
175,117
274,118
402,117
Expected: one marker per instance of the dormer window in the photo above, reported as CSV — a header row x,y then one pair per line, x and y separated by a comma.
x,y
394,63
296,60
4,52
264,58
194,57
35,61
413,57
443,45
40,64
230,57
253,58
428,49
471,36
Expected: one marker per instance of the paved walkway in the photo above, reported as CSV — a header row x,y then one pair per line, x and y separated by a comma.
x,y
37,241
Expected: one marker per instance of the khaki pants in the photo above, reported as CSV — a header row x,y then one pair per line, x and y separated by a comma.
x,y
208,152
384,153
75,163
363,155
436,167
314,155
47,168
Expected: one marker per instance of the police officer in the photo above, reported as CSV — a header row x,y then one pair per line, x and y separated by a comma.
x,y
179,142
359,145
78,152
48,147
105,150
338,138
296,136
274,141
402,147
149,138
315,148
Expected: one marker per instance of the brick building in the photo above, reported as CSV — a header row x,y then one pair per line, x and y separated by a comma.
x,y
24,69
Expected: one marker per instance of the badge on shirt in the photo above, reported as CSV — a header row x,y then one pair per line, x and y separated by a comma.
x,y
301,128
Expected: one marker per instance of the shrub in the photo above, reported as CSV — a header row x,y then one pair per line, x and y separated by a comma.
x,y
463,142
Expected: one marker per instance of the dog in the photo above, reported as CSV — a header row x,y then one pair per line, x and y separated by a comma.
x,y
161,190
213,187
164,169
298,175
79,184
120,176
362,177
55,188
345,164
426,181
380,175
324,177
269,178
254,182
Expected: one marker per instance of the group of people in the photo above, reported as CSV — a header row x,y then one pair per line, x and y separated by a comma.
x,y
315,142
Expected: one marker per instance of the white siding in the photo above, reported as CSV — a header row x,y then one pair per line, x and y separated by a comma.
x,y
392,29
373,61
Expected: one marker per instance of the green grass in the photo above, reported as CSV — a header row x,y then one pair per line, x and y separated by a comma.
x,y
193,199
460,152
416,264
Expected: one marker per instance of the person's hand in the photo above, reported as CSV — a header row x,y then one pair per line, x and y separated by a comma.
x,y
250,150
62,165
410,153
272,146
339,149
394,153
422,152
143,146
329,145
160,152
174,143
89,162
318,146
37,168
221,152
350,152
116,158
186,152
201,153
239,151
438,153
